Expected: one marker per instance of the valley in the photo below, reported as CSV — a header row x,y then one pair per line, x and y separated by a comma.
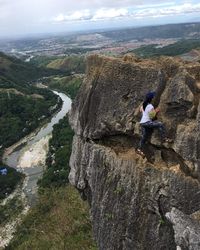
x,y
39,78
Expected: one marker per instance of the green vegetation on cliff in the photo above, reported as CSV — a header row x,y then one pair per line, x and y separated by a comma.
x,y
60,144
57,161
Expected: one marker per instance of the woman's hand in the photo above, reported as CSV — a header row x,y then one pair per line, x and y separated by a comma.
x,y
157,110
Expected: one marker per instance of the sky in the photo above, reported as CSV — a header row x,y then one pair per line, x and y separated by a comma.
x,y
26,17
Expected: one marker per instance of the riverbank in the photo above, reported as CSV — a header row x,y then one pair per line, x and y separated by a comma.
x,y
18,145
35,155
15,207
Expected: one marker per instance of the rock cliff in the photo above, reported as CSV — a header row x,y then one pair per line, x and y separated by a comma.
x,y
136,203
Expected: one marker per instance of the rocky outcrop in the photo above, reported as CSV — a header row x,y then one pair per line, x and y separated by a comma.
x,y
186,229
138,203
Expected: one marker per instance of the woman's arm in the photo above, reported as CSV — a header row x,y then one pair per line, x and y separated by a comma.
x,y
153,113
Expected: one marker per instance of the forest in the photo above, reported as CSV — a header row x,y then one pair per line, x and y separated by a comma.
x,y
23,107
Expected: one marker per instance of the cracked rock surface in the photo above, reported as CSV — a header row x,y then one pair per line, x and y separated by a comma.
x,y
136,203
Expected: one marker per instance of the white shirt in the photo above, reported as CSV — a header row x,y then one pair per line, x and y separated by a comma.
x,y
145,113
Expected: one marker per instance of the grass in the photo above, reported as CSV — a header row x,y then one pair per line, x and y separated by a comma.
x,y
11,210
59,221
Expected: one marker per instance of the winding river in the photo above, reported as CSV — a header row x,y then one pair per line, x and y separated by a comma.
x,y
28,155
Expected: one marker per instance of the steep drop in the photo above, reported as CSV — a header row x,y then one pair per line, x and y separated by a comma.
x,y
137,203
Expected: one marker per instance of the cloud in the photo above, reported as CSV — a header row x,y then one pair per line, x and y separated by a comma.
x,y
32,16
85,15
75,16
103,14
137,13
186,8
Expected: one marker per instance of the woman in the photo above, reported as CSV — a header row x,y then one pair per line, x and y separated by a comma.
x,y
148,123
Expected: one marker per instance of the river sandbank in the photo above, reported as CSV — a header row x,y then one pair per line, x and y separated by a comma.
x,y
35,154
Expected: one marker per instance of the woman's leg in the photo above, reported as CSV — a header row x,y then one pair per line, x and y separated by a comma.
x,y
156,125
146,133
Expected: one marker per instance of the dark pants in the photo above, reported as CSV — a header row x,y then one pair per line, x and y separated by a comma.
x,y
147,130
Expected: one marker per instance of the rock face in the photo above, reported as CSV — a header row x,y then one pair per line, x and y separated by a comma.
x,y
136,203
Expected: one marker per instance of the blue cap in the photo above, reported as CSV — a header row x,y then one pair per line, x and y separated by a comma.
x,y
150,95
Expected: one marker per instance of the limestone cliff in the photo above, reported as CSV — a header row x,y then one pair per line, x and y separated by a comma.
x,y
136,203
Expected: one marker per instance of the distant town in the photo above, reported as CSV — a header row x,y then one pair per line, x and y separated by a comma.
x,y
111,43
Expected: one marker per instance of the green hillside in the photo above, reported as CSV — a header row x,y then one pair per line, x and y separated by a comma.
x,y
22,105
175,49
70,63
16,73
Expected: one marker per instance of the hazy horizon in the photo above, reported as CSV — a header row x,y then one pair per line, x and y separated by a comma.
x,y
21,18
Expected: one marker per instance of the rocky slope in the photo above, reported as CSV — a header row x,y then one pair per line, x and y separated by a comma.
x,y
136,203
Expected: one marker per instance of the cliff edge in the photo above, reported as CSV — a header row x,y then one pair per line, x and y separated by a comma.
x,y
151,203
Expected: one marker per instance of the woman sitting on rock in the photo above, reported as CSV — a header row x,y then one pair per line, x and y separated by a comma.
x,y
148,123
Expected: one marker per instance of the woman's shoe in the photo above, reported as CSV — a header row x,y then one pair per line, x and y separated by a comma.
x,y
168,140
140,152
